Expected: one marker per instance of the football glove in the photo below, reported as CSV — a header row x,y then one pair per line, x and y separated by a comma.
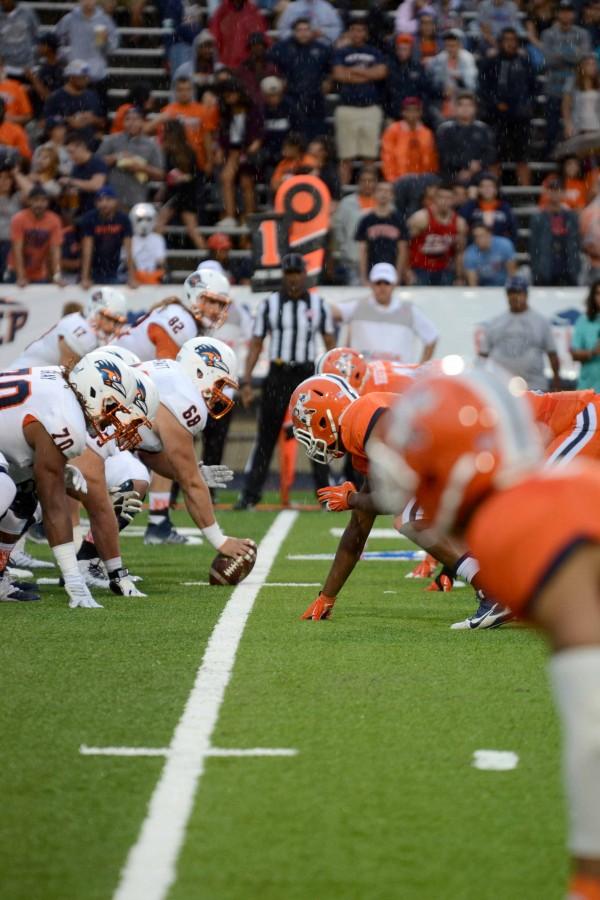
x,y
319,608
75,480
216,476
336,498
79,594
125,500
120,583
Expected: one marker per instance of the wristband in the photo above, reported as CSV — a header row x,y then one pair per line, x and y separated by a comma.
x,y
214,535
65,556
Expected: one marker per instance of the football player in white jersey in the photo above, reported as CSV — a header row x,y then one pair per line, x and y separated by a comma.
x,y
160,335
191,388
75,335
45,417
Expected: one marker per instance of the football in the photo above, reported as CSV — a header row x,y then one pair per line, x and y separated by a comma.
x,y
225,570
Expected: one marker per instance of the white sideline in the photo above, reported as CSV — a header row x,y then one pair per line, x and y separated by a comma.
x,y
150,869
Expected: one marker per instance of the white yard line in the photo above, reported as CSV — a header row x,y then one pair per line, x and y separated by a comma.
x,y
266,584
150,869
165,751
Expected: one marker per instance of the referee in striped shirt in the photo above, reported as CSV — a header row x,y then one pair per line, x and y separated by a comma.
x,y
291,317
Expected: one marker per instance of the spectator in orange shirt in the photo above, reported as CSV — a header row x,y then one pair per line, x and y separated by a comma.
x,y
13,135
575,187
199,120
294,160
408,147
140,95
18,107
36,239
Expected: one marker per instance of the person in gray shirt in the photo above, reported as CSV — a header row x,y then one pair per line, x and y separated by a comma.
x,y
563,45
88,33
134,160
18,34
324,19
520,339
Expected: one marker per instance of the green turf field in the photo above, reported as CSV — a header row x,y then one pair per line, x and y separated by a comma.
x,y
384,704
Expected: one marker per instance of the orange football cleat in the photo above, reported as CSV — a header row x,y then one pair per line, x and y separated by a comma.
x,y
424,569
582,887
319,608
443,583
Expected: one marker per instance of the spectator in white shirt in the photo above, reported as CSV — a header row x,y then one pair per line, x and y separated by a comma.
x,y
382,326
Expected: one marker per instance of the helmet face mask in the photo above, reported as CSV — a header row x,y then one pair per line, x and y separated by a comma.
x,y
317,406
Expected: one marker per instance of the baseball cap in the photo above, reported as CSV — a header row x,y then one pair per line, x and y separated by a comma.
x,y
205,37
405,39
49,39
106,191
293,262
516,284
271,85
383,272
77,67
219,241
37,191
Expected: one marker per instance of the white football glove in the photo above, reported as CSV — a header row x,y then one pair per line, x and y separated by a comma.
x,y
120,583
79,595
74,480
216,476
126,502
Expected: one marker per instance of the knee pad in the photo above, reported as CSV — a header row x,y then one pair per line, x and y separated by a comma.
x,y
22,511
8,490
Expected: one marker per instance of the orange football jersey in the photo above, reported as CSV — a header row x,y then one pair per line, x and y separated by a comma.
x,y
520,536
387,375
558,410
357,423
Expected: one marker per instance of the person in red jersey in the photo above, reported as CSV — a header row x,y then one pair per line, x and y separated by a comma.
x,y
467,447
437,239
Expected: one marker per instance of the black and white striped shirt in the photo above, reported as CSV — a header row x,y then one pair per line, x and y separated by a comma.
x,y
292,326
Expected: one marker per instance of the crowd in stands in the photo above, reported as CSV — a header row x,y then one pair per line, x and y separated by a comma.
x,y
413,116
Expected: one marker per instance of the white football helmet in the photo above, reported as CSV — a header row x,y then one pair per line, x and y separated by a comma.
x,y
142,218
212,365
207,297
106,389
127,356
106,312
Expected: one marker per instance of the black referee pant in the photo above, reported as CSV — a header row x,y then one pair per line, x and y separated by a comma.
x,y
278,387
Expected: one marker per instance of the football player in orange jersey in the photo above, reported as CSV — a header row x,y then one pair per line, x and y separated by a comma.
x,y
466,447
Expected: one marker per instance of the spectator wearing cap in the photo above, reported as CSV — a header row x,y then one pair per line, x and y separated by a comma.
x,y
232,24
437,240
324,20
13,135
380,234
408,147
554,243
77,103
201,69
87,32
305,63
88,175
520,340
465,144
18,33
291,318
488,260
348,214
238,271
277,123
451,72
36,238
382,326
490,210
359,68
406,77
48,75
106,239
133,158
507,88
257,67
563,45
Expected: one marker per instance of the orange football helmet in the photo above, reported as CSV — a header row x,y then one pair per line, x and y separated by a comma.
x,y
316,407
349,364
451,441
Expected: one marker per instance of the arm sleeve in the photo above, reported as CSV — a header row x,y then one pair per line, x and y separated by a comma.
x,y
166,348
424,327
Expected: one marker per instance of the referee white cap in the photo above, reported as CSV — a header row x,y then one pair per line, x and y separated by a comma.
x,y
383,272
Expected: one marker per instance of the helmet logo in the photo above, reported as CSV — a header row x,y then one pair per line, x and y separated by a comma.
x,y
300,411
111,375
211,357
140,397
344,365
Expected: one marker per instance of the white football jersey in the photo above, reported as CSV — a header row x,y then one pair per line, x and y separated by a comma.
x,y
148,252
39,394
78,334
174,320
180,396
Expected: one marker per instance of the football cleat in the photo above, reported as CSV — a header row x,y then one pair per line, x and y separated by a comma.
x,y
489,614
444,582
20,559
16,592
93,573
164,533
424,569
